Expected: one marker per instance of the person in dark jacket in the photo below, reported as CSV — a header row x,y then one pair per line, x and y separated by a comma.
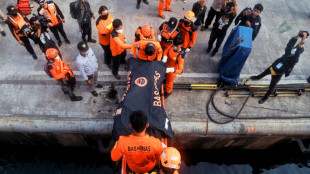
x,y
283,65
83,17
215,11
251,18
199,8
219,30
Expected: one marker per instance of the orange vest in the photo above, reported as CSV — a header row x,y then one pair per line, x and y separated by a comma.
x,y
104,28
165,33
51,13
18,23
175,60
60,69
140,45
118,43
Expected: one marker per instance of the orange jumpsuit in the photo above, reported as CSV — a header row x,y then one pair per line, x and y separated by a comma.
x,y
167,36
139,36
140,45
188,33
161,6
60,70
175,60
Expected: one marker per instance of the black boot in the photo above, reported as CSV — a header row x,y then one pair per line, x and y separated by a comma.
x,y
261,101
91,40
76,98
67,41
146,2
34,56
59,43
3,33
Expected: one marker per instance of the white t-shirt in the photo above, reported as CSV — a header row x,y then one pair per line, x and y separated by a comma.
x,y
87,65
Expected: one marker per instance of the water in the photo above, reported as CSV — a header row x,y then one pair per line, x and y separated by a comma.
x,y
285,159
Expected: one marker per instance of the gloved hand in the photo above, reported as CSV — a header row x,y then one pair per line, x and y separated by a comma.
x,y
188,50
159,37
165,58
170,70
131,56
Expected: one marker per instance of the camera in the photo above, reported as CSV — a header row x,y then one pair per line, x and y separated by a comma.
x,y
302,34
43,21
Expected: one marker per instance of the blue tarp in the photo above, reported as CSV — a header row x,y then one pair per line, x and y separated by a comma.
x,y
235,56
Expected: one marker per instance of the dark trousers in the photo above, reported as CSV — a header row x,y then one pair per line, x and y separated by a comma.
x,y
59,28
216,35
86,30
67,85
27,44
274,81
139,1
107,54
211,15
117,60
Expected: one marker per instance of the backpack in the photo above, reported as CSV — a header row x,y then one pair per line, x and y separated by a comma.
x,y
46,70
73,11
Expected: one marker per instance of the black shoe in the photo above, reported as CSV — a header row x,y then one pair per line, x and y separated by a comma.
x,y
34,56
76,98
138,6
95,94
91,40
208,50
166,95
117,76
67,41
99,86
213,54
203,28
59,43
146,2
3,33
261,101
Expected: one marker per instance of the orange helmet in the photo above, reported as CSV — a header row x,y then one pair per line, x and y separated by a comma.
x,y
189,15
51,53
171,158
146,30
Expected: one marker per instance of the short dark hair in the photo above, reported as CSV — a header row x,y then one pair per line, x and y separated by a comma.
x,y
149,49
102,8
259,7
178,40
138,121
117,23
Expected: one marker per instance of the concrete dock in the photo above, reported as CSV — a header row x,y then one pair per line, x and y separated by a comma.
x,y
34,110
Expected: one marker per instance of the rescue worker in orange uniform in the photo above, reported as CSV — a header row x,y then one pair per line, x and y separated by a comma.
x,y
148,49
61,72
50,10
188,31
167,32
170,161
161,7
141,150
118,47
104,26
21,29
144,32
174,57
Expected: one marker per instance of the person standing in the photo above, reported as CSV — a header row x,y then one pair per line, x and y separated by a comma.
x,y
144,32
283,65
251,18
50,10
139,160
174,57
104,26
219,30
60,71
1,28
83,17
215,11
139,2
21,29
118,47
167,32
199,8
161,7
188,31
87,64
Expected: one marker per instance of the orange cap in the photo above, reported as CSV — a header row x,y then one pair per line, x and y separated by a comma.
x,y
146,30
171,158
51,53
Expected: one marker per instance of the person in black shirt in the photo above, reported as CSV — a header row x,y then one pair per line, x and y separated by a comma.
x,y
251,18
199,8
228,13
284,64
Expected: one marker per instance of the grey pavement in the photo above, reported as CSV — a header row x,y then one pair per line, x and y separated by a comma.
x,y
29,96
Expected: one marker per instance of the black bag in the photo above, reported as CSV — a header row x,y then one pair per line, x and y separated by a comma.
x,y
86,20
73,11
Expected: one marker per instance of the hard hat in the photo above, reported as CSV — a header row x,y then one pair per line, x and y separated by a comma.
x,y
149,49
171,158
51,53
146,30
189,15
